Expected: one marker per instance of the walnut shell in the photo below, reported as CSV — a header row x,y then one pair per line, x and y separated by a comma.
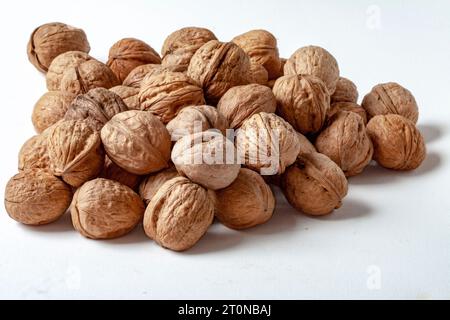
x,y
36,197
259,74
347,106
241,102
397,143
34,154
50,108
97,106
346,142
219,66
206,158
314,185
303,101
75,151
314,61
137,142
152,183
179,214
129,53
165,93
105,209
112,171
246,203
50,40
391,98
266,143
305,145
346,91
129,95
137,75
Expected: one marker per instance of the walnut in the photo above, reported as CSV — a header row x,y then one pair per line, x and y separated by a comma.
x,y
259,74
206,158
314,185
180,46
34,154
314,61
50,40
261,47
398,144
97,106
152,183
112,171
179,214
266,143
137,142
75,151
347,106
129,95
219,66
391,98
241,102
346,91
196,119
303,101
36,197
165,93
137,75
246,203
105,209
50,108
305,145
127,54
346,142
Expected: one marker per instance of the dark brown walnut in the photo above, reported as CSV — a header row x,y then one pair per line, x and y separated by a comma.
x,y
219,66
346,142
398,144
261,47
180,46
179,214
129,53
246,203
259,74
346,91
137,75
314,184
50,108
75,151
105,209
97,107
241,102
129,95
112,171
152,183
303,101
137,141
36,197
391,98
164,94
347,106
34,154
50,40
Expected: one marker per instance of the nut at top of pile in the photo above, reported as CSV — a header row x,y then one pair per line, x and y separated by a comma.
x,y
50,108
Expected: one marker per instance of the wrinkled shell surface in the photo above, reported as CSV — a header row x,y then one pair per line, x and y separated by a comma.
x,y
259,74
305,145
135,77
50,108
112,171
129,95
152,183
347,106
346,91
34,154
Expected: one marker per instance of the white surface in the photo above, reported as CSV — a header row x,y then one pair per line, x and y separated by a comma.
x,y
392,225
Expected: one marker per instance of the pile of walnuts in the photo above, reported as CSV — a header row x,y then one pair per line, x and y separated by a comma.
x,y
115,141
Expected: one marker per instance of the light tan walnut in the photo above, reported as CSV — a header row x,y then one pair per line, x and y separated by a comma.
x,y
137,75
34,154
129,95
346,91
347,106
50,108
112,171
152,183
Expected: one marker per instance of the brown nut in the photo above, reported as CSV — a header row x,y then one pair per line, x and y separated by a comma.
x,y
391,98
314,185
242,102
137,75
305,145
397,143
50,108
112,171
105,209
152,183
50,40
137,142
179,214
34,154
259,74
129,95
36,197
347,106
346,91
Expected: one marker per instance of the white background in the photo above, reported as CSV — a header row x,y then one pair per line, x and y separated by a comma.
x,y
391,239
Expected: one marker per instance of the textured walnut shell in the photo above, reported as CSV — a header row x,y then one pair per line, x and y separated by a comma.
x,y
346,142
241,102
36,197
50,40
34,154
347,106
112,171
180,46
179,214
152,183
397,143
129,95
105,209
303,101
196,119
50,108
391,98
305,145
267,144
219,66
246,203
206,158
165,93
75,151
137,75
314,61
137,142
129,53
346,91
259,74
97,107
314,185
